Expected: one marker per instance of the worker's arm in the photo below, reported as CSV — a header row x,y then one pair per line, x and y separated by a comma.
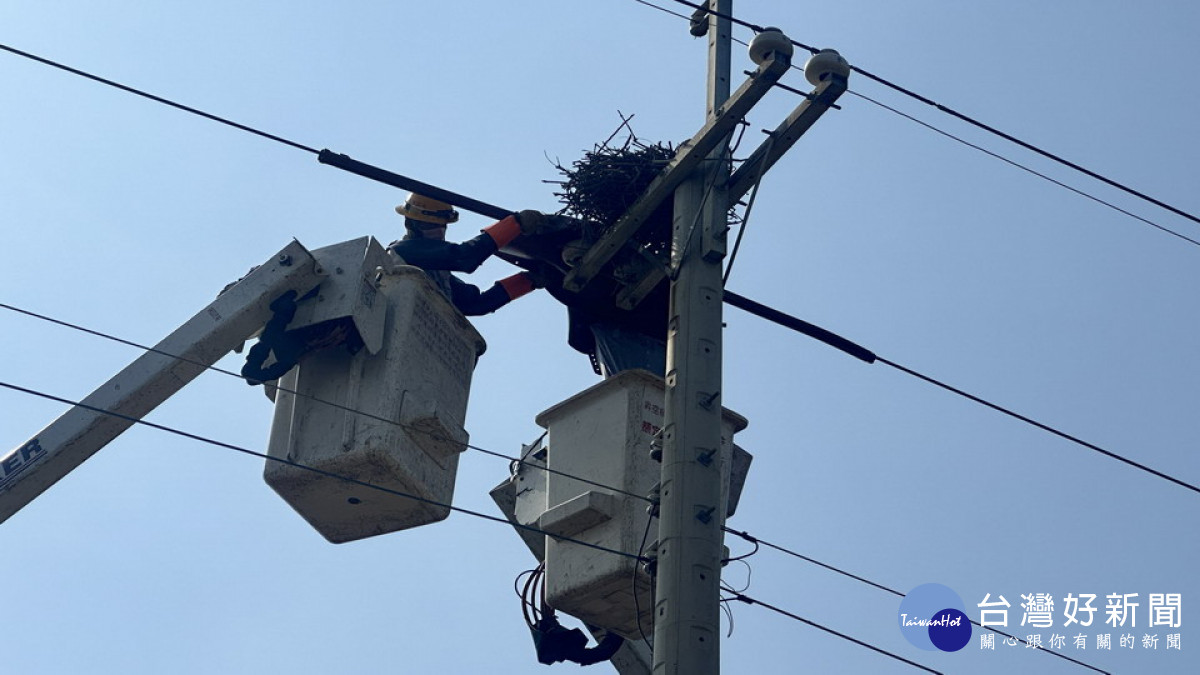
x,y
471,302
436,254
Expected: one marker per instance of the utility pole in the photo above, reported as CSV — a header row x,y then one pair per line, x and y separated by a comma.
x,y
687,603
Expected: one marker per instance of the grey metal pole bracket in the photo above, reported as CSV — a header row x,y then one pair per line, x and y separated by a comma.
x,y
785,136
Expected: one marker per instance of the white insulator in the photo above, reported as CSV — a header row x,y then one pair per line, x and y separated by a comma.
x,y
771,39
823,64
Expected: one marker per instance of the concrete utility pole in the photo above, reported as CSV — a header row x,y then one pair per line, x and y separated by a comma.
x,y
687,618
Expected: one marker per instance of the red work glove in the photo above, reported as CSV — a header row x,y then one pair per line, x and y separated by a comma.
x,y
518,285
504,231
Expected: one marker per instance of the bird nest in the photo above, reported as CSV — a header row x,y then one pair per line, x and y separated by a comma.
x,y
601,186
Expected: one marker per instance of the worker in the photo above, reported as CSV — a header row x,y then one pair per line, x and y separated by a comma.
x,y
424,245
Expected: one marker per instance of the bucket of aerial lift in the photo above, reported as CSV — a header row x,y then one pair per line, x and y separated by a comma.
x,y
605,434
349,293
383,430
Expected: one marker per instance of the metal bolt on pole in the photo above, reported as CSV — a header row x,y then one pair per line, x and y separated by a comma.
x,y
687,605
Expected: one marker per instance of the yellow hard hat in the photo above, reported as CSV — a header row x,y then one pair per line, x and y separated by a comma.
x,y
427,209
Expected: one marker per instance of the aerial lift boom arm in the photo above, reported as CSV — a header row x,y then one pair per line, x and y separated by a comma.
x,y
154,377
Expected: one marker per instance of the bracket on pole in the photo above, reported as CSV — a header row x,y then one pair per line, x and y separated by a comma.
x,y
631,296
686,160
785,135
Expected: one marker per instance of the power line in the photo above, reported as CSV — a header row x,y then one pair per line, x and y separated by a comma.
x,y
340,406
374,173
664,10
1044,427
994,155
305,467
956,138
951,136
743,303
157,99
866,355
1025,168
323,156
752,601
1029,146
756,541
966,118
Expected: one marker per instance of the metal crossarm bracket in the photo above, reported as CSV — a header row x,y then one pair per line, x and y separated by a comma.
x,y
686,160
785,136
763,158
632,295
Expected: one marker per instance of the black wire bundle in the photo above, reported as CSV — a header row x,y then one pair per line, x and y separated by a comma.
x,y
531,604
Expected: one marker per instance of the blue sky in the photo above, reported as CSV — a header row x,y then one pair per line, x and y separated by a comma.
x,y
166,555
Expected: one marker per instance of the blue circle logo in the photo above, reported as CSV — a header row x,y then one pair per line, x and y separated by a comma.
x,y
933,617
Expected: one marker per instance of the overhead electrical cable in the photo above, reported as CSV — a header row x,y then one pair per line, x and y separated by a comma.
x,y
157,99
1044,427
756,541
664,10
1029,146
866,355
1027,169
752,601
963,117
305,467
374,173
324,156
951,136
340,406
